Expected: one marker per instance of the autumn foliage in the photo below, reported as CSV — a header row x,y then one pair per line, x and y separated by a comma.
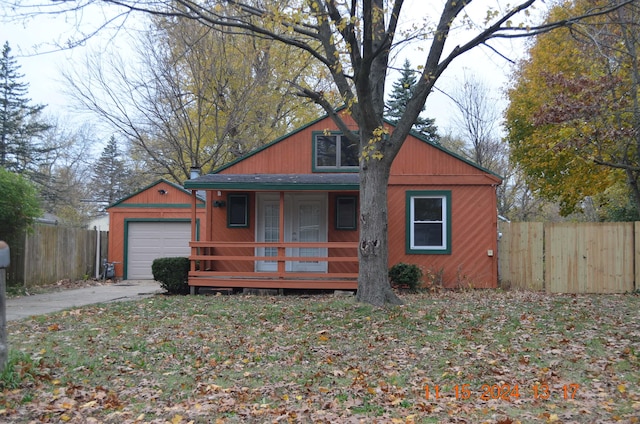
x,y
573,118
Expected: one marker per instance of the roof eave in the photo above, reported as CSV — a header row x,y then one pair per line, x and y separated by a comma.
x,y
251,186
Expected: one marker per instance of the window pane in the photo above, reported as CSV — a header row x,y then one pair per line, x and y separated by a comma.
x,y
326,150
309,229
427,209
271,230
348,152
427,235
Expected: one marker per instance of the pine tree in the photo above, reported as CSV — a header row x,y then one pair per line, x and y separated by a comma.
x,y
20,126
110,181
402,90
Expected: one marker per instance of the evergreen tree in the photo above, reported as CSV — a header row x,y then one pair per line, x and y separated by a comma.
x,y
110,181
20,126
402,90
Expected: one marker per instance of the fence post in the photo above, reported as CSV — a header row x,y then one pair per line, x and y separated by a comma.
x,y
4,263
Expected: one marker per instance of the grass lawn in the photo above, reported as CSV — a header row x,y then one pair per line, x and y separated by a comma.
x,y
451,357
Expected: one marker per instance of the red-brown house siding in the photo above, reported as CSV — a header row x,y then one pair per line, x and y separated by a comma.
x,y
474,227
147,205
473,235
419,166
221,232
336,235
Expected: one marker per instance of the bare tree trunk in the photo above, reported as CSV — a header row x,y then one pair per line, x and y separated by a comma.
x,y
373,278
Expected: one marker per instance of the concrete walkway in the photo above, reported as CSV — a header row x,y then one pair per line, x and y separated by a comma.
x,y
39,304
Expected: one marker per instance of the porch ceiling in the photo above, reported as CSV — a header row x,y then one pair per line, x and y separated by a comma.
x,y
319,181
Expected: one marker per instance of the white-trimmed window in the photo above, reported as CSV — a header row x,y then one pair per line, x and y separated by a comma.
x,y
333,152
428,222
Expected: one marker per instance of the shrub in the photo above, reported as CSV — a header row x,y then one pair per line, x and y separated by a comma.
x,y
172,273
406,275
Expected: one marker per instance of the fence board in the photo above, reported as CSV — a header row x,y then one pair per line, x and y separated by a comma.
x,y
521,255
589,257
52,253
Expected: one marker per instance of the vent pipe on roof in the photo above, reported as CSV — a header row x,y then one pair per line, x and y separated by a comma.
x,y
194,173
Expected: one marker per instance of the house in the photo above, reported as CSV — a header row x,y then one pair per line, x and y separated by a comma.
x,y
100,223
154,222
286,215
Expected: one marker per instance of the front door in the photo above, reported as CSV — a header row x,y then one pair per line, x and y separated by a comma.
x,y
305,220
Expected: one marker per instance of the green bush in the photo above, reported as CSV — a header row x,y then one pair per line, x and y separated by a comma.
x,y
172,274
406,275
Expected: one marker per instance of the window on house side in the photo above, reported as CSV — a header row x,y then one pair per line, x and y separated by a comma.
x,y
334,152
429,222
346,212
237,210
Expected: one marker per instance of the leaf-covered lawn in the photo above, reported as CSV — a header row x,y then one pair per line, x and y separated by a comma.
x,y
483,356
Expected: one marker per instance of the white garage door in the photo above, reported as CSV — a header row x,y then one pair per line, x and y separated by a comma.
x,y
150,240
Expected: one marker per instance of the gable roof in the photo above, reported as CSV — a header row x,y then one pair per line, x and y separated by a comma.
x,y
269,144
153,184
205,179
451,153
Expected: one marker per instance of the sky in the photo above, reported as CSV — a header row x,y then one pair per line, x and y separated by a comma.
x,y
42,65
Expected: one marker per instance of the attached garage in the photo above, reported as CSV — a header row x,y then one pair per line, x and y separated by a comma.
x,y
154,222
147,241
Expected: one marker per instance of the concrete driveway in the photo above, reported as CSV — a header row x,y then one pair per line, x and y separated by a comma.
x,y
39,304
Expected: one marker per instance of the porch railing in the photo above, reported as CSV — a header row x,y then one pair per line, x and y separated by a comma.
x,y
206,258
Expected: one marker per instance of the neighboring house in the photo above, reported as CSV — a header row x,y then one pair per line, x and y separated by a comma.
x,y
286,215
152,223
100,223
48,219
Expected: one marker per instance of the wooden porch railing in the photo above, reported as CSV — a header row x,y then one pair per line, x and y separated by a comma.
x,y
208,255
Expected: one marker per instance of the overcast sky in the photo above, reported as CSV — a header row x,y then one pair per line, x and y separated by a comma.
x,y
42,70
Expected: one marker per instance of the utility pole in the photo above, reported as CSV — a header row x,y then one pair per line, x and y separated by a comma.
x,y
4,263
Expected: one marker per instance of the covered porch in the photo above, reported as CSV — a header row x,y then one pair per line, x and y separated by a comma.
x,y
276,232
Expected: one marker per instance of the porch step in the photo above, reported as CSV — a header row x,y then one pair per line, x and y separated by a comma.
x,y
259,283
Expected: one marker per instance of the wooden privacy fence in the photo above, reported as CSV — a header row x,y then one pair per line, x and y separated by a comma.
x,y
51,253
570,257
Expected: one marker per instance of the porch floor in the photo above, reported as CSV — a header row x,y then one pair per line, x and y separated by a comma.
x,y
273,283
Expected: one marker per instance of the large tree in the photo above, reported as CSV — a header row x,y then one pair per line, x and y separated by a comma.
x,y
197,97
353,41
574,118
66,170
477,122
20,123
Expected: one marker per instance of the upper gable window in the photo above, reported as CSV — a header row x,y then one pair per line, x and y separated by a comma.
x,y
333,152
